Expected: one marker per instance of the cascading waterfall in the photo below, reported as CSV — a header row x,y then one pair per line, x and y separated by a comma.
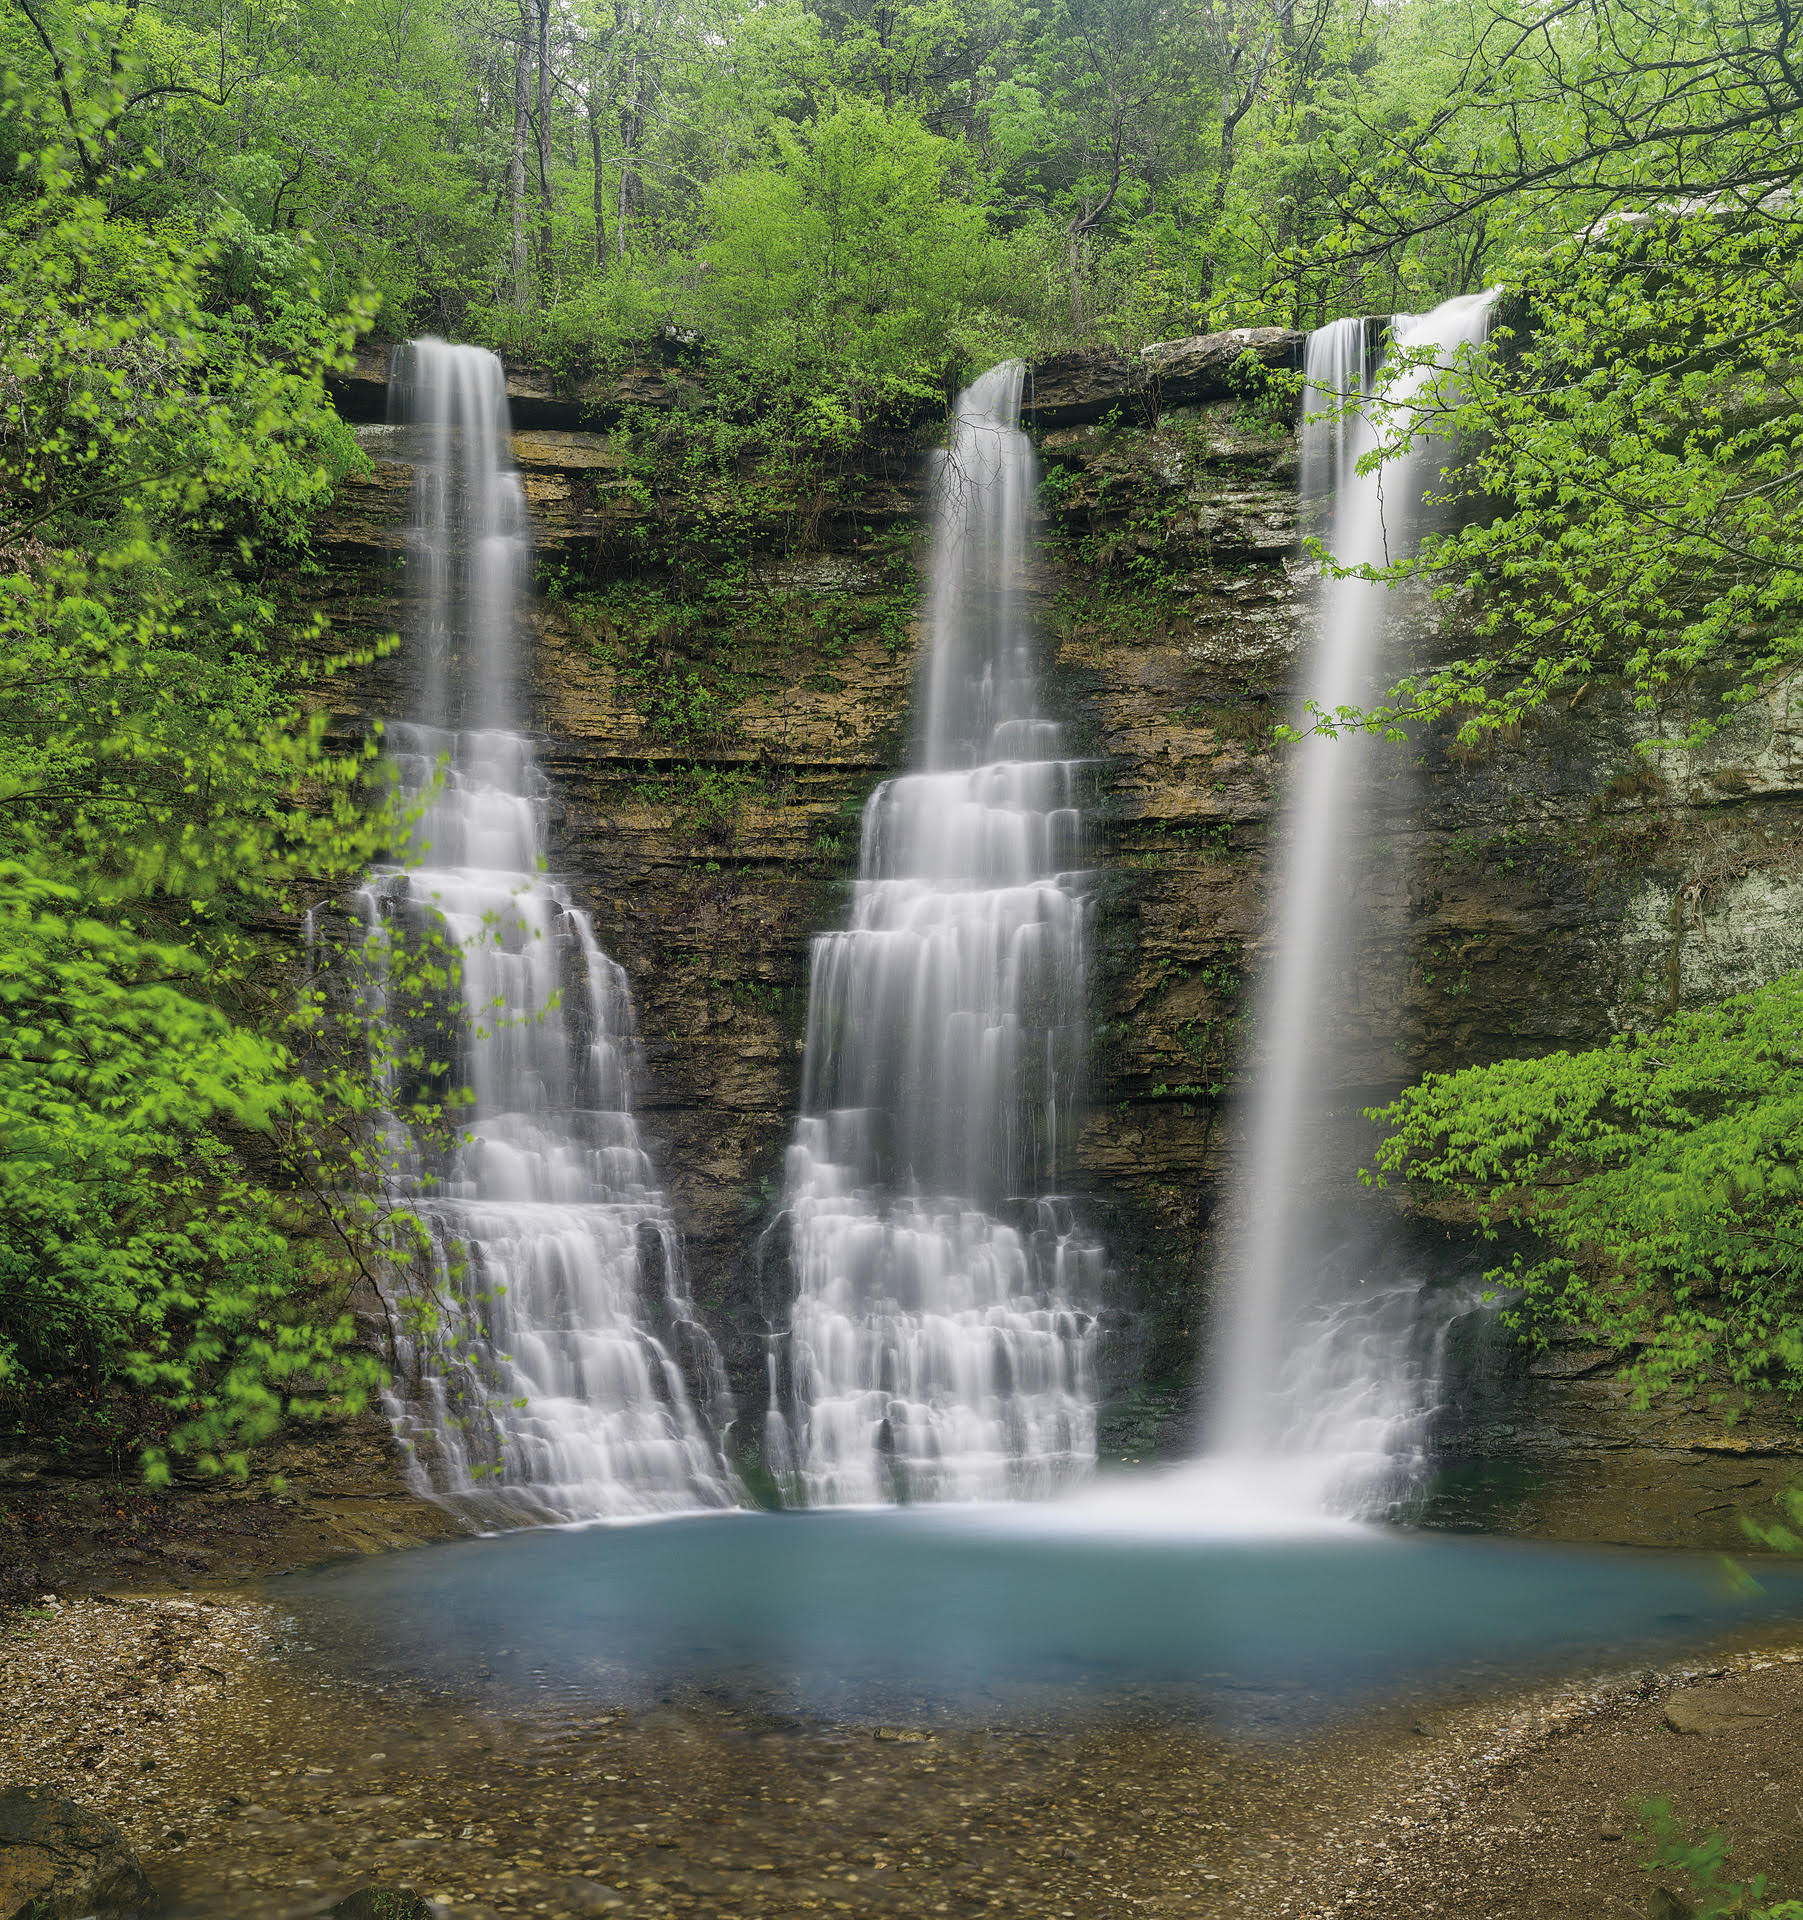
x,y
1331,1366
562,1376
944,1312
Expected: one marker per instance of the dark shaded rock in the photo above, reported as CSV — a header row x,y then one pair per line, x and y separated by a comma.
x,y
1076,389
58,1861
383,1903
1187,372
535,400
1666,1905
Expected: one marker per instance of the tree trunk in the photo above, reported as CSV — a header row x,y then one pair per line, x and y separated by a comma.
x,y
516,166
600,192
631,128
1232,113
544,141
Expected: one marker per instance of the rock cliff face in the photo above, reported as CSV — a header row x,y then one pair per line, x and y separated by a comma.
x,y
715,705
712,712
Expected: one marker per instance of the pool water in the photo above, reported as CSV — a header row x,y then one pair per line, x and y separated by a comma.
x,y
970,1615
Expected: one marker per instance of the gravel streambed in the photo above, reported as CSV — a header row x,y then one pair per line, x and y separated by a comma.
x,y
255,1788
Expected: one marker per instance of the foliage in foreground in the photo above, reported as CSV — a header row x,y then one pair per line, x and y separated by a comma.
x,y
1659,1178
135,1242
183,1209
1703,1863
1635,439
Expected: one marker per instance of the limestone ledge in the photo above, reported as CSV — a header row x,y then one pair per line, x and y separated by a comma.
x,y
1062,390
1076,388
1524,895
707,855
535,399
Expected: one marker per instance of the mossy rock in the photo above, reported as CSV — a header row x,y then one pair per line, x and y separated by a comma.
x,y
383,1903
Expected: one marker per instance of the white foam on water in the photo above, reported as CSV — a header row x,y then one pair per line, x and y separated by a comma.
x,y
943,1325
1330,1369
568,1376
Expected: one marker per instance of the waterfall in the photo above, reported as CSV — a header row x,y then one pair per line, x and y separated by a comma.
x,y
944,1311
1331,1367
557,1362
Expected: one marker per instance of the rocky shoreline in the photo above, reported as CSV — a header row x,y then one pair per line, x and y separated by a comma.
x,y
249,1783
70,1525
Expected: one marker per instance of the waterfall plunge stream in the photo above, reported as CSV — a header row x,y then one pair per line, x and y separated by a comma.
x,y
563,1379
1332,1365
943,1319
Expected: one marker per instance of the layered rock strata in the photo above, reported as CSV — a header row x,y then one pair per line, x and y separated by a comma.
x,y
714,706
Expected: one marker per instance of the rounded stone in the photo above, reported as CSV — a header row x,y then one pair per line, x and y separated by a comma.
x,y
59,1861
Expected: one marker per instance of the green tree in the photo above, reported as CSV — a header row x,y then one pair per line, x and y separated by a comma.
x,y
190,1183
847,258
1655,1181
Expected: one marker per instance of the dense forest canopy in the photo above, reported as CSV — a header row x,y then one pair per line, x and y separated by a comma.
x,y
841,211
867,194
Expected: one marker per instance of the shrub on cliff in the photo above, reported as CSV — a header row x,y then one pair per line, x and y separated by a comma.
x,y
1659,1178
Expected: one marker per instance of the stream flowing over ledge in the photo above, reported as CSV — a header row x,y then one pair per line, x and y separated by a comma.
x,y
1175,597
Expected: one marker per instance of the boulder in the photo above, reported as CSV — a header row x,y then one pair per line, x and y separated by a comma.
x,y
383,1903
1078,389
1185,372
58,1861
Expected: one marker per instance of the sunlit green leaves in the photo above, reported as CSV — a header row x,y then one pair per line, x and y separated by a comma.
x,y
1658,1180
847,252
1638,440
191,1173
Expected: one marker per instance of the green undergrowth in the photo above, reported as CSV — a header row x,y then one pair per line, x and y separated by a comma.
x,y
1703,1863
1656,1178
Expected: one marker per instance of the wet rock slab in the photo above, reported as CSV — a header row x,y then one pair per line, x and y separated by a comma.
x,y
1076,389
1706,1712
